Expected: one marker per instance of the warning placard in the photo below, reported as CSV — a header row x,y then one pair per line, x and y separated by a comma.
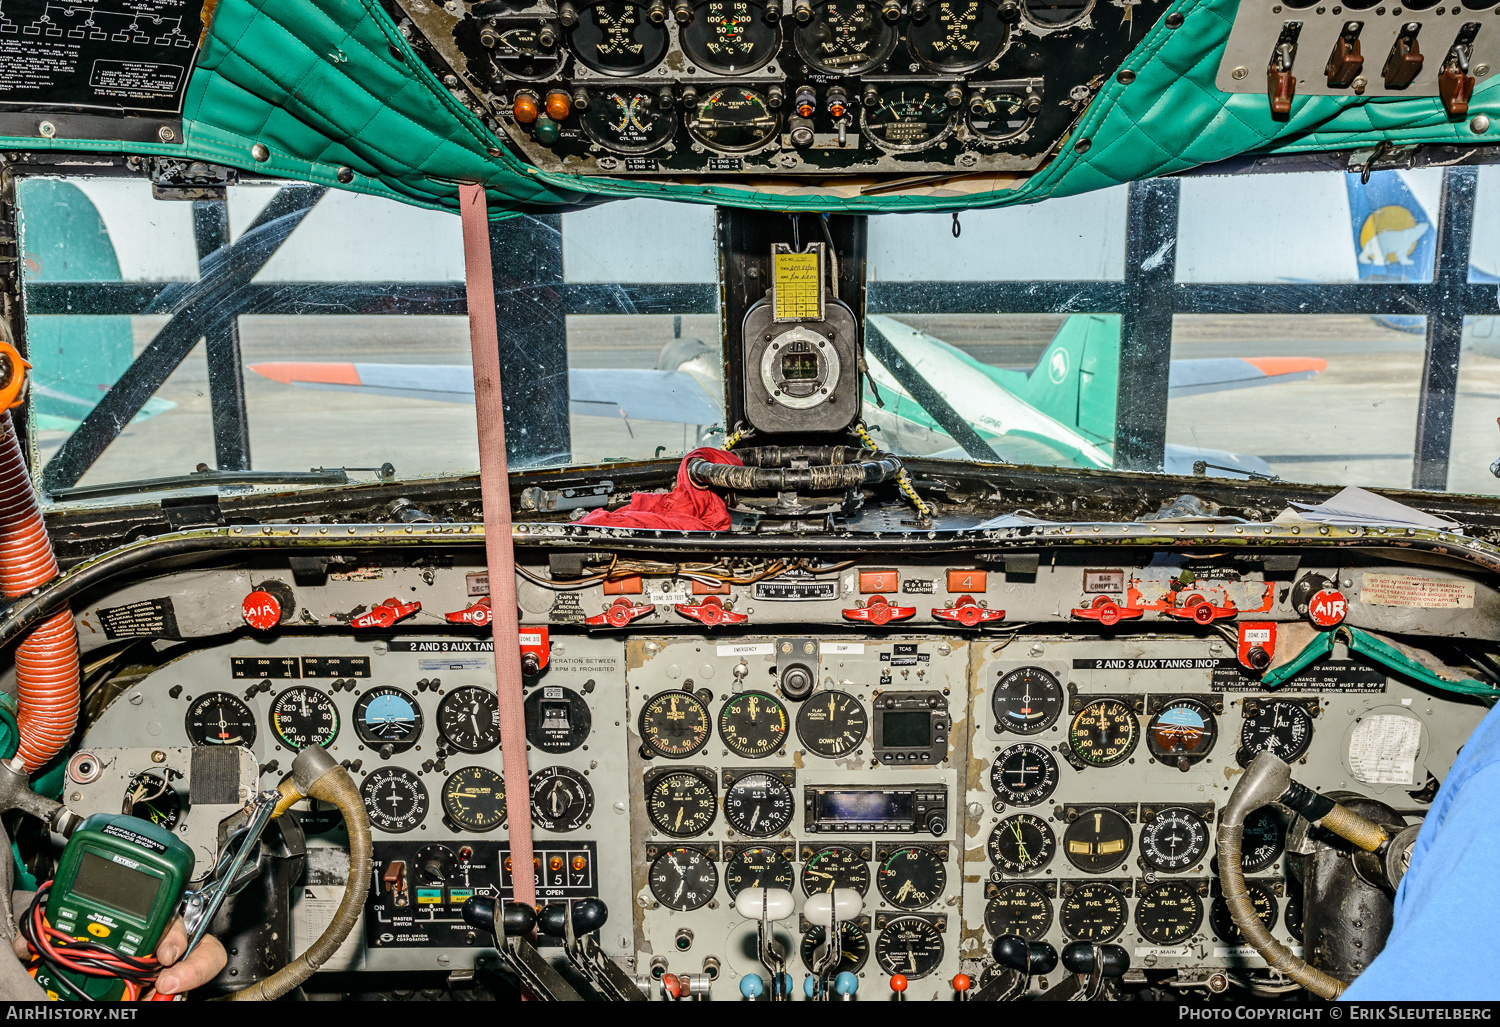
x,y
98,55
1416,591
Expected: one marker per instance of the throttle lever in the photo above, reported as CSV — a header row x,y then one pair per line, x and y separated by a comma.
x,y
1094,964
1027,960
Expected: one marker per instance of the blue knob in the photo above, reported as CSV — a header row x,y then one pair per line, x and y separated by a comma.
x,y
810,986
783,984
845,984
751,986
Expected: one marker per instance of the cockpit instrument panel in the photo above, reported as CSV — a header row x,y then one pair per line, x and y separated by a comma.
x,y
786,87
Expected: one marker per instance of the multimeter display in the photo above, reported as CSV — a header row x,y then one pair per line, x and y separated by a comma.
x,y
113,883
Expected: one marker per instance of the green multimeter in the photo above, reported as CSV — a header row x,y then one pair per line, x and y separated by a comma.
x,y
118,884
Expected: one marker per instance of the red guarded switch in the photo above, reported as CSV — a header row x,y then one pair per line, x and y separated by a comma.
x,y
878,611
1201,611
968,612
710,612
386,614
478,615
619,613
536,648
262,610
1108,612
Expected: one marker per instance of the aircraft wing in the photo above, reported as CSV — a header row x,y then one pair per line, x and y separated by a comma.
x,y
1193,377
635,393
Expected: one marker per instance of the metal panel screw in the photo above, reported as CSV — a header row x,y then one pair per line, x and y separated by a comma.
x,y
1239,73
47,129
165,134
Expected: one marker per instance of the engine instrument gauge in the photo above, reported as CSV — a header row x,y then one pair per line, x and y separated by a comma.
x,y
837,866
615,37
1024,775
1057,14
909,945
674,724
1173,840
1104,732
908,119
219,718
759,805
1019,908
1027,701
395,799
753,724
561,799
150,797
758,867
832,723
845,37
1292,914
1022,844
1182,732
627,120
683,878
734,120
958,35
998,117
303,716
469,719
912,877
1169,913
1284,729
729,37
1098,841
520,52
1264,837
854,946
682,803
1223,924
388,719
474,798
1093,912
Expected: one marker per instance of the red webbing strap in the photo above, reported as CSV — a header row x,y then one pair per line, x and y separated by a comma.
x,y
499,553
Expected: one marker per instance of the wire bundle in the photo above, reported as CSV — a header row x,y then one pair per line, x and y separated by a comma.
x,y
60,952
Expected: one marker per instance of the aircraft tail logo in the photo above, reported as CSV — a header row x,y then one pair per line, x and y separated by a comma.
x,y
1390,236
1391,230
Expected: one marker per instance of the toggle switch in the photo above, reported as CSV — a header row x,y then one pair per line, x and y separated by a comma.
x,y
1404,62
1455,82
1281,81
1345,62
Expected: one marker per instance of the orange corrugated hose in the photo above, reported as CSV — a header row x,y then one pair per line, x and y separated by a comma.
x,y
47,659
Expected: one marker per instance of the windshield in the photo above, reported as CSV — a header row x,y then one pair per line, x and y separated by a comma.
x,y
1297,327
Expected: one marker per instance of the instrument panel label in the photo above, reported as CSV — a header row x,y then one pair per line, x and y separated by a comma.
x,y
277,667
748,649
1328,676
442,645
149,618
1416,591
905,655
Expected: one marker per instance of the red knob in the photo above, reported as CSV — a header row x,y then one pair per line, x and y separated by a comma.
x,y
898,983
878,611
1107,612
671,985
262,610
961,983
619,613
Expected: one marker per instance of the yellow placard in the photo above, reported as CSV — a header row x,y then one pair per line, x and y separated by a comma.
x,y
797,281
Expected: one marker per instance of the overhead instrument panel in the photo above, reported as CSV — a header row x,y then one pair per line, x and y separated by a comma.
x,y
791,87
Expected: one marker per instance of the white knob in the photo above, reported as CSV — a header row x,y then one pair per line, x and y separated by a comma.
x,y
775,903
819,908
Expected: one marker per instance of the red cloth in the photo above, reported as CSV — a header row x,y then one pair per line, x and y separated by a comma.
x,y
686,508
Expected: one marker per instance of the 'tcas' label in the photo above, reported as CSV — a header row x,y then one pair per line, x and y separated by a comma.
x,y
262,611
1327,608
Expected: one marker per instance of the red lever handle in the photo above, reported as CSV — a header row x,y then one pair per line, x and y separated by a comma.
x,y
478,615
710,612
1108,612
1199,609
878,611
619,613
968,612
386,614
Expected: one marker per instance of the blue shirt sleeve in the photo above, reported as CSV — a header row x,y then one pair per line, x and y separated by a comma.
x,y
1449,902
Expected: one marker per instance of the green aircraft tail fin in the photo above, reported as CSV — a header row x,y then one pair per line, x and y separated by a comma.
x,y
1077,379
